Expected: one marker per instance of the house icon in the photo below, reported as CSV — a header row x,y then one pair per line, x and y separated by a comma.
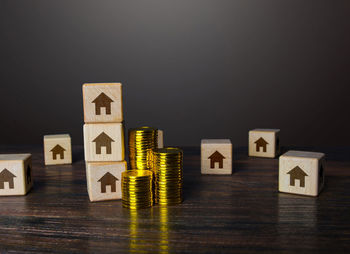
x,y
297,174
29,174
57,150
216,157
6,176
102,101
108,179
261,143
103,140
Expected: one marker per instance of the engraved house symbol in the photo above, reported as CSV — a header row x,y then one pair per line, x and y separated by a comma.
x,y
58,150
108,180
103,140
6,176
261,143
102,101
216,157
297,174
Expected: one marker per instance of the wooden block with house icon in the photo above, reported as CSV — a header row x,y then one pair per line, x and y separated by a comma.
x,y
57,149
301,172
104,142
216,156
264,143
15,174
160,139
104,180
102,102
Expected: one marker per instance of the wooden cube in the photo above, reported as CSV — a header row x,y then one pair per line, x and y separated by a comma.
x,y
15,174
103,102
301,173
104,142
160,139
216,156
57,149
104,180
264,143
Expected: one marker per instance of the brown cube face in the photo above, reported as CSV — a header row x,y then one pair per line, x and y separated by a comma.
x,y
264,143
104,142
301,173
15,174
103,103
57,149
104,180
216,156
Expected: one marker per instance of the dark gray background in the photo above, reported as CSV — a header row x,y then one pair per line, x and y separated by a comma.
x,y
197,69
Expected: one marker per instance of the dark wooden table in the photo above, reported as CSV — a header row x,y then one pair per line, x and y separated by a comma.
x,y
242,213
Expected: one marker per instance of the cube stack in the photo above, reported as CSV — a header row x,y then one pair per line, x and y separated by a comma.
x,y
103,140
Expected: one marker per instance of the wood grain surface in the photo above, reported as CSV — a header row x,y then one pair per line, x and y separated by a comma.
x,y
242,213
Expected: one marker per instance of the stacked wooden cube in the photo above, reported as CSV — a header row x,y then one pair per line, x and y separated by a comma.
x,y
103,140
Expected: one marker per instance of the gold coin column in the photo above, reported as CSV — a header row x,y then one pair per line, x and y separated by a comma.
x,y
142,141
137,190
168,175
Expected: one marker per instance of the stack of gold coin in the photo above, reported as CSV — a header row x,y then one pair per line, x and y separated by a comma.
x,y
137,189
141,143
168,175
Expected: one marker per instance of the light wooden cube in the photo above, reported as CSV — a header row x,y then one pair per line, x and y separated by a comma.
x,y
103,102
104,180
301,172
57,149
264,143
160,139
15,174
216,156
104,142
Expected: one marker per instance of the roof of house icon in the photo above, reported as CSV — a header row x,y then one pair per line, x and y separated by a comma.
x,y
103,140
57,149
216,156
261,142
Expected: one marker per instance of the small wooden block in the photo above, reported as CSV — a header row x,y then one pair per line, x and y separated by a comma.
x,y
301,173
57,149
104,142
264,143
15,174
160,139
216,156
104,180
103,102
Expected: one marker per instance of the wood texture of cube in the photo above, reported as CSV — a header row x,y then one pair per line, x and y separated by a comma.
x,y
57,149
15,174
103,102
264,143
216,156
160,139
301,173
104,180
104,142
